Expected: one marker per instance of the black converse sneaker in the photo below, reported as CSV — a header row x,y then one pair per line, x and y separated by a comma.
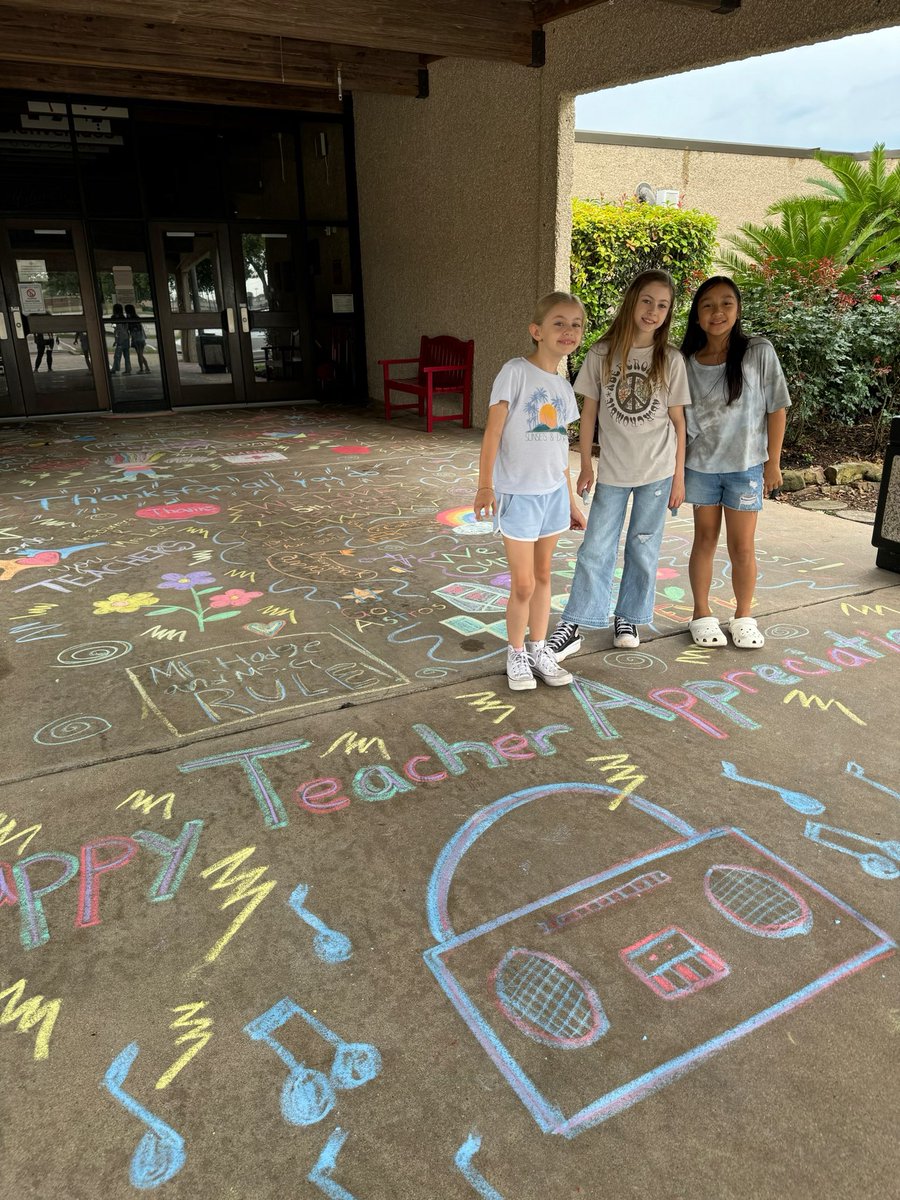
x,y
626,635
564,640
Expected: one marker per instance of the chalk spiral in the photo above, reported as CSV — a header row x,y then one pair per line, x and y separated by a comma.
x,y
785,632
70,729
633,660
90,653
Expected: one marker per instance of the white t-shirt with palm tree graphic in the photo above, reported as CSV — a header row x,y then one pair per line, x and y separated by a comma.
x,y
533,457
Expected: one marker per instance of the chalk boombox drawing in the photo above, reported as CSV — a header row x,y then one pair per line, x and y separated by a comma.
x,y
597,995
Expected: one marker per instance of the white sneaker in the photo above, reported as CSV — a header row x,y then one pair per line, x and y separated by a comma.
x,y
518,671
544,665
626,635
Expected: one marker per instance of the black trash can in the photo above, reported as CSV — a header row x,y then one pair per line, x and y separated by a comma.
x,y
211,353
886,534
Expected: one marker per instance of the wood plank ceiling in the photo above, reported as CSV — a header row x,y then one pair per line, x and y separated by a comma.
x,y
303,54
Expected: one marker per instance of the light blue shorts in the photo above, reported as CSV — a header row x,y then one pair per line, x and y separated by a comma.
x,y
528,518
742,490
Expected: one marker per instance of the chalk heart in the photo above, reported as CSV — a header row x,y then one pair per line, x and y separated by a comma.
x,y
265,628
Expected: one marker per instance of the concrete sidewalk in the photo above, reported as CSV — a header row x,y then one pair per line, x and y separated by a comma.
x,y
312,904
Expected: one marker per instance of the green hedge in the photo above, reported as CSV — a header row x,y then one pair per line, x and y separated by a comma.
x,y
611,243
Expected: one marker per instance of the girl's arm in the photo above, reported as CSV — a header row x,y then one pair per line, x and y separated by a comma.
x,y
485,504
676,416
772,478
586,443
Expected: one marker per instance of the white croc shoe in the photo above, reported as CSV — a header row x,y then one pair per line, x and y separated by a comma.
x,y
706,631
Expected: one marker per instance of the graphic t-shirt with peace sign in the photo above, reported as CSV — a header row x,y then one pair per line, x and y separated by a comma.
x,y
637,439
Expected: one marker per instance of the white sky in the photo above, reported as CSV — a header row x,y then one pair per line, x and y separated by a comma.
x,y
842,95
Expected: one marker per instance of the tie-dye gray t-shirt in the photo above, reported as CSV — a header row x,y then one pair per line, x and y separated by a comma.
x,y
724,437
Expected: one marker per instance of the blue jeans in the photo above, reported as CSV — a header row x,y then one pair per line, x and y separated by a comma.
x,y
591,597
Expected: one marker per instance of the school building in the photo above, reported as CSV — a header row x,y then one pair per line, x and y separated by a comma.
x,y
736,182
242,204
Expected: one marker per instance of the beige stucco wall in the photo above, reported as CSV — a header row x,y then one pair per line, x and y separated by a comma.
x,y
464,197
736,187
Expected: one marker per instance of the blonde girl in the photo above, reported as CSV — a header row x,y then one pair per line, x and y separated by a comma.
x,y
524,482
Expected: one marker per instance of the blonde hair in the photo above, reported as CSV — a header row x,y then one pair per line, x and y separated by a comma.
x,y
619,338
547,303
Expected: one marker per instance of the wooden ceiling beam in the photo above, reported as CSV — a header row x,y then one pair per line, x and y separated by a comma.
x,y
191,89
89,41
499,30
722,7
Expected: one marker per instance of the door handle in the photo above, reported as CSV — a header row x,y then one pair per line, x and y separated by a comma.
x,y
245,319
229,320
3,330
18,324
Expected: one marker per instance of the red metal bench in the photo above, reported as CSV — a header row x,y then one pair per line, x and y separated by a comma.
x,y
444,365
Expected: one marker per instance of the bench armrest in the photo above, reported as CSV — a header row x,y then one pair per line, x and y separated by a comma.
x,y
446,367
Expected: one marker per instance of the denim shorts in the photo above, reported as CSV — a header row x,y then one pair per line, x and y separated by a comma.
x,y
742,490
525,518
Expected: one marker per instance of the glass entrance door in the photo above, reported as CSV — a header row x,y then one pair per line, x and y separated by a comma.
x,y
197,313
52,355
273,323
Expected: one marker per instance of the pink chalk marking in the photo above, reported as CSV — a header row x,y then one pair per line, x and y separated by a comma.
x,y
351,449
178,512
91,867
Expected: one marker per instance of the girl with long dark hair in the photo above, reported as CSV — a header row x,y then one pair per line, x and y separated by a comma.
x,y
735,430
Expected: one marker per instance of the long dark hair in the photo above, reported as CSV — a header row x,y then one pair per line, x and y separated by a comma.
x,y
695,339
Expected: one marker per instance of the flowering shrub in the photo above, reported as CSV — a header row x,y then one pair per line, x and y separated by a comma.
x,y
611,243
840,349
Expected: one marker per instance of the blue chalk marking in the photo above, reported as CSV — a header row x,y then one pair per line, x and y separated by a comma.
x,y
798,801
548,1116
469,833
160,1153
330,945
308,1095
853,768
320,1175
463,1161
273,811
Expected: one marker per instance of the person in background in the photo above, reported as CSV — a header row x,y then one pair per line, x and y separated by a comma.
x,y
138,338
121,340
45,343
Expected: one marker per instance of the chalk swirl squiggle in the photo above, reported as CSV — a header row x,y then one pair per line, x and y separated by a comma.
x,y
70,729
633,660
90,653
785,632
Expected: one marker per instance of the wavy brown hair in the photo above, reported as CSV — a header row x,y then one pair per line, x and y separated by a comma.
x,y
619,338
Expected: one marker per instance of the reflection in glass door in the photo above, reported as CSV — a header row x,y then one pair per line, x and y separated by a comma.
x,y
272,318
51,310
197,317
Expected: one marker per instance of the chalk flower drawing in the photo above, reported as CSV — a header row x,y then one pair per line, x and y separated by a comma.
x,y
124,602
183,583
194,582
233,596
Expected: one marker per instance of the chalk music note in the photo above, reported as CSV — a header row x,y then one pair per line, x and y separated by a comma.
x,y
330,945
798,801
308,1095
160,1153
879,866
853,768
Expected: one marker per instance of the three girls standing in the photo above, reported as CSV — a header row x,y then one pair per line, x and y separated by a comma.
x,y
705,425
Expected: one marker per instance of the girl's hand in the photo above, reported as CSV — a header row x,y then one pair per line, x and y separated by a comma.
x,y
577,519
676,495
485,504
772,478
585,481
